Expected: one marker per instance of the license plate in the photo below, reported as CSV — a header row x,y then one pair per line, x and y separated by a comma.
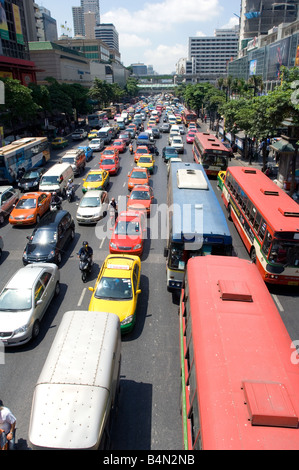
x,y
293,283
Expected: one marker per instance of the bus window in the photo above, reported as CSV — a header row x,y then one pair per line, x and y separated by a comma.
x,y
262,230
257,221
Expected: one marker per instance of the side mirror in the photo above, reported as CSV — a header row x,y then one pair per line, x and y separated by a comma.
x,y
138,291
91,289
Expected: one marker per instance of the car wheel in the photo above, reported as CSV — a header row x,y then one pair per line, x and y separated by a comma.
x,y
37,219
35,329
72,234
57,289
1,218
58,258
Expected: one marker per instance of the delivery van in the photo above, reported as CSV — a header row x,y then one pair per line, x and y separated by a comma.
x,y
106,133
56,178
75,395
76,158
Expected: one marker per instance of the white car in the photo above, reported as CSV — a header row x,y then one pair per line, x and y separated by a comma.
x,y
97,145
177,143
92,207
24,301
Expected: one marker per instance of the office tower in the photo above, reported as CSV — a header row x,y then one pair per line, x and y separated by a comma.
x,y
210,55
87,6
107,33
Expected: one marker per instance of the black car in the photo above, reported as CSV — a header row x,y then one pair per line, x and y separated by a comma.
x,y
155,132
30,179
50,238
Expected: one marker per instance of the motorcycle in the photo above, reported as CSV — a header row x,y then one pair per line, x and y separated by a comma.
x,y
70,194
55,205
85,265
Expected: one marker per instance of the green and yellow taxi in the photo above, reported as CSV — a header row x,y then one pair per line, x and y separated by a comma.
x,y
93,134
117,289
220,179
146,161
96,179
59,143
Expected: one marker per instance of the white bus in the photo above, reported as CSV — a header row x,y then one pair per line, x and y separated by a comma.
x,y
24,153
75,395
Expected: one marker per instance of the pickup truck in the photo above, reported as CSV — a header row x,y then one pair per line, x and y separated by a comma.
x,y
79,134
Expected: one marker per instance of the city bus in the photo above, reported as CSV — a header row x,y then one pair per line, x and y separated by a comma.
x,y
267,220
239,367
189,116
210,152
196,222
26,153
97,119
110,111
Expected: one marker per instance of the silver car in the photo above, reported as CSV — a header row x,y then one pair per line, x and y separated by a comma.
x,y
97,145
92,207
24,301
8,197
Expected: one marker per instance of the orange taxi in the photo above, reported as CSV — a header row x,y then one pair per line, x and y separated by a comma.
x,y
110,152
141,198
30,208
137,176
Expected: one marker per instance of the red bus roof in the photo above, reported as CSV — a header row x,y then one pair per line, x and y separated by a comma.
x,y
276,207
247,385
210,142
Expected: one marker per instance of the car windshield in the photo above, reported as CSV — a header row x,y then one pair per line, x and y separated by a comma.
x,y
114,288
94,177
90,202
145,160
95,141
141,151
43,237
108,161
108,152
130,227
31,174
138,174
26,204
14,300
49,180
171,150
118,143
140,195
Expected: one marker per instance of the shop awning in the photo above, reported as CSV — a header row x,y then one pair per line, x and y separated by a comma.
x,y
283,146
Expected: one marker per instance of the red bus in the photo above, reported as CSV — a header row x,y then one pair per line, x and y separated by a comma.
x,y
210,152
267,220
189,116
239,367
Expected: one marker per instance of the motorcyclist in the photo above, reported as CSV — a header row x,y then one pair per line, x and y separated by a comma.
x,y
70,186
131,148
55,200
86,249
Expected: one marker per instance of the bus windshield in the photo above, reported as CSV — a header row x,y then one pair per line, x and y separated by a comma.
x,y
282,252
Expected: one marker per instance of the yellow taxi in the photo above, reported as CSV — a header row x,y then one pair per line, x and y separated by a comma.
x,y
59,143
96,179
117,288
220,179
93,134
146,161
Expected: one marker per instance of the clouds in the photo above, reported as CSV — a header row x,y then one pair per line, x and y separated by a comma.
x,y
157,32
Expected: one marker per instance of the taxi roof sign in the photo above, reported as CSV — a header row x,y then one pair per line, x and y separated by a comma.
x,y
118,266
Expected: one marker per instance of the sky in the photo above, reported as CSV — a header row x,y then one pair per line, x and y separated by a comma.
x,y
154,32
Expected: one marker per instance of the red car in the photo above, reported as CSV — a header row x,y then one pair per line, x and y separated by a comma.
x,y
110,163
120,145
190,137
141,198
128,233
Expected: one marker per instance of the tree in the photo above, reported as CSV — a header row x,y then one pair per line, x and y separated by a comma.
x,y
19,107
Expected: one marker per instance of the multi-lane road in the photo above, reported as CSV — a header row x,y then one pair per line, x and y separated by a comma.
x,y
149,404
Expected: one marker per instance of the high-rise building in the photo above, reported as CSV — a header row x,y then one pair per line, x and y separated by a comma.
x,y
209,55
107,33
49,25
257,17
86,6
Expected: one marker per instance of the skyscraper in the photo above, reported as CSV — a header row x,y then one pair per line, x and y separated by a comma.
x,y
86,6
108,34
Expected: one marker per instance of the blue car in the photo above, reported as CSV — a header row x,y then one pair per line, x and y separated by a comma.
x,y
88,152
168,153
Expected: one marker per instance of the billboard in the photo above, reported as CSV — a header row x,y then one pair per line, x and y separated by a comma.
x,y
278,55
4,34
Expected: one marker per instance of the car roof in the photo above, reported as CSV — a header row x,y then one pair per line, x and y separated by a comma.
x,y
25,276
140,187
32,194
51,219
95,193
5,188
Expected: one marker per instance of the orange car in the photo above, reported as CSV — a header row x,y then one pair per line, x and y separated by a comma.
x,y
30,208
141,198
110,152
137,176
140,150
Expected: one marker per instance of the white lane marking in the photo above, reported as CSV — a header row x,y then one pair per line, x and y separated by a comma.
x,y
278,302
81,297
102,242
